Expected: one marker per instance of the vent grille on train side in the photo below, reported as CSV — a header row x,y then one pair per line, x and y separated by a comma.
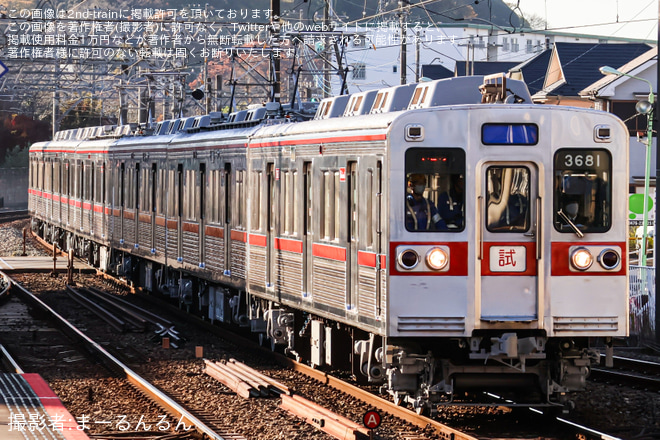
x,y
431,324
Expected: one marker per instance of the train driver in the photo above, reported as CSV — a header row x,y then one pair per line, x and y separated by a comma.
x,y
450,203
419,208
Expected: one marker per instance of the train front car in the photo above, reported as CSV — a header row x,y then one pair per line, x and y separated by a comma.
x,y
507,250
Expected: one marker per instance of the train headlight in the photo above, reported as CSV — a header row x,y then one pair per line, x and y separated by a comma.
x,y
609,259
582,259
408,259
437,259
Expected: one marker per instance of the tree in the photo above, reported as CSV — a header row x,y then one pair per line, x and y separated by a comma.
x,y
18,132
533,21
16,157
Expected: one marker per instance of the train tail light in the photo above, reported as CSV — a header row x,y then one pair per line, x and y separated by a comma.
x,y
609,259
408,259
437,259
581,259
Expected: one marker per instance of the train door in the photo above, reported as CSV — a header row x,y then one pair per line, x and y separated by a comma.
x,y
202,213
91,196
378,244
154,184
307,229
352,254
67,192
51,188
509,242
227,217
179,213
80,188
137,204
122,201
270,223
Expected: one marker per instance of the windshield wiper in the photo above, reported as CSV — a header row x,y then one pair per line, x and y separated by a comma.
x,y
568,221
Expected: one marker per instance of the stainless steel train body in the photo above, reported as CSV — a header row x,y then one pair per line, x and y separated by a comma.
x,y
305,233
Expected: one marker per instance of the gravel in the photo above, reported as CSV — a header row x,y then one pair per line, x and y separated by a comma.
x,y
619,411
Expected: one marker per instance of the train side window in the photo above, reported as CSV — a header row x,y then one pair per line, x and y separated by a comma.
x,y
296,205
57,167
155,184
99,181
47,173
145,189
435,190
329,209
240,194
284,189
582,190
179,191
214,196
171,191
91,183
507,199
81,177
138,187
256,201
190,208
202,191
228,201
128,176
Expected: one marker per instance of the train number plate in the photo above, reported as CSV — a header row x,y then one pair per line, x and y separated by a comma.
x,y
508,258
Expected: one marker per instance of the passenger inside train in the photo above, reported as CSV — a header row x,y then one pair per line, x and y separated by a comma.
x,y
420,208
449,212
451,202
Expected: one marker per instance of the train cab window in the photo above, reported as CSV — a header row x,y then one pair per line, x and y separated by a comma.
x,y
507,199
582,190
435,190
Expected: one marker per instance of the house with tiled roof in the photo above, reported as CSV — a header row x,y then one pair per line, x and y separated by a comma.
x,y
483,67
619,95
533,71
436,71
572,67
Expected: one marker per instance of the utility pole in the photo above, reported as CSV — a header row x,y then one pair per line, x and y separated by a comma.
x,y
56,103
207,80
417,44
275,30
656,112
403,30
326,51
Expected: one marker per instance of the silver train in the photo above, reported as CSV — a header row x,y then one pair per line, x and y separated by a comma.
x,y
442,238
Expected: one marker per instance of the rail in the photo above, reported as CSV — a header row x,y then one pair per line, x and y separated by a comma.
x,y
154,393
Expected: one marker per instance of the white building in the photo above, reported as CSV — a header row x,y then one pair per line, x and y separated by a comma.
x,y
374,53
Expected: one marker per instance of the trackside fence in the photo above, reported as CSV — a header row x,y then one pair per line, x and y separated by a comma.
x,y
642,303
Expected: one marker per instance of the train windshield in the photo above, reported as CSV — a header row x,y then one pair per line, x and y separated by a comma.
x,y
435,190
507,199
583,190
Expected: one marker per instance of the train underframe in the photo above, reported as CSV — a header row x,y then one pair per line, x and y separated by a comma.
x,y
526,367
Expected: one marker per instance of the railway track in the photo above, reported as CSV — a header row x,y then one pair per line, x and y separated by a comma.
x,y
388,410
207,415
10,216
635,373
562,427
181,417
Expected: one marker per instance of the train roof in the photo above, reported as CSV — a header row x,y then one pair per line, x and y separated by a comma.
x,y
373,110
